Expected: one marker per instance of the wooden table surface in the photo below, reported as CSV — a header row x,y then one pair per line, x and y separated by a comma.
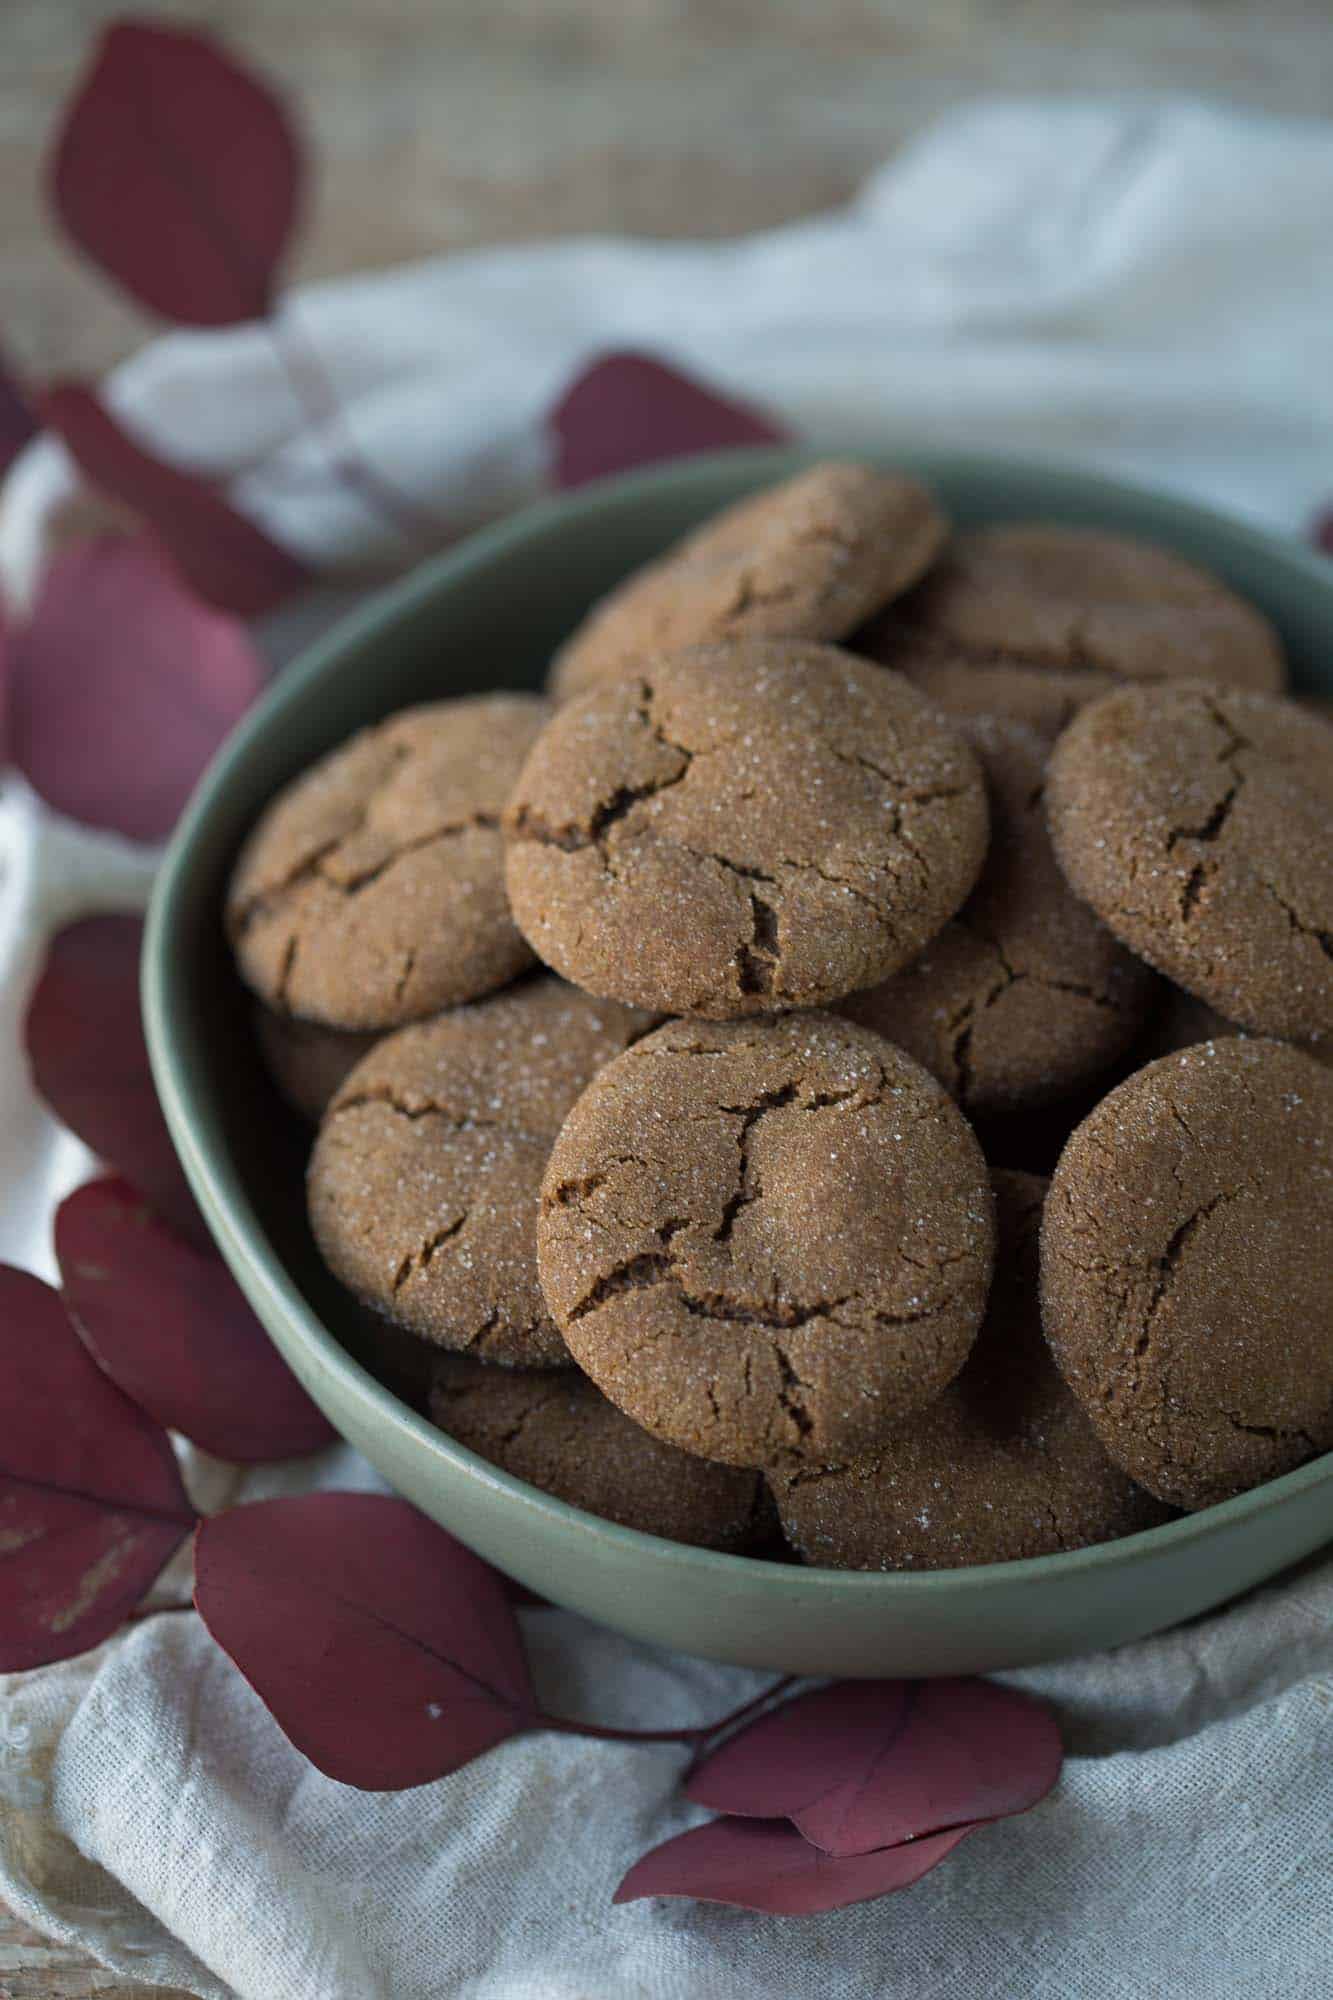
x,y
439,126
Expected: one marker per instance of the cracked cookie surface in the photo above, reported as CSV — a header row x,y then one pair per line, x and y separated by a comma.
x,y
742,829
1198,822
559,1432
763,1238
1002,1465
1024,996
1078,597
809,559
423,1184
371,892
1187,1268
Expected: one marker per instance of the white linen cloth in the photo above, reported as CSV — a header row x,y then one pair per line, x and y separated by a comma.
x,y
1144,285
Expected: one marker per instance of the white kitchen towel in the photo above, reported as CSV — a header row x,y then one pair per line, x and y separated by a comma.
x,y
1142,285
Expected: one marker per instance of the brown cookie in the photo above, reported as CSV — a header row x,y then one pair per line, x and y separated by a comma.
x,y
307,1062
424,1180
372,890
1077,597
560,1434
809,559
1198,823
1024,996
1003,1465
742,829
1046,699
766,1237
1181,1021
1187,1268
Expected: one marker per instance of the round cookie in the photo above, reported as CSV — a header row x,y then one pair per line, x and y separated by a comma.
x,y
305,1061
1181,1021
762,1238
1187,1268
743,829
371,892
1024,996
1198,823
559,1433
1003,1465
423,1183
1045,699
809,559
1078,597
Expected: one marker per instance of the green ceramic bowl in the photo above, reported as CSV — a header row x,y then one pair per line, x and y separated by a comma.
x,y
489,615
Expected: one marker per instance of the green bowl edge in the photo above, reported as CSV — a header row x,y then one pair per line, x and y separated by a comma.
x,y
221,1194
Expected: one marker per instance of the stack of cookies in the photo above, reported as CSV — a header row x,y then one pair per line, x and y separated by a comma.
x,y
848,1073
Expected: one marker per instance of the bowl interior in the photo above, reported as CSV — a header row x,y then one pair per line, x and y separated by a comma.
x,y
489,614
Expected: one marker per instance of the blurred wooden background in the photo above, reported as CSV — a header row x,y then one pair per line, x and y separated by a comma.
x,y
440,124
443,123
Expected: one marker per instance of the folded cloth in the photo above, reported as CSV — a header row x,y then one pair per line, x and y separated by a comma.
x,y
1142,285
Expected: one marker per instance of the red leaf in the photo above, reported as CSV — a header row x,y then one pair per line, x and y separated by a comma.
x,y
226,559
172,1328
628,409
91,1502
766,1865
1321,531
17,423
179,172
865,1764
84,1038
384,1649
154,677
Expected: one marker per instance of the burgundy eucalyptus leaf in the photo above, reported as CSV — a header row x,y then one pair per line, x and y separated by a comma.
x,y
628,409
384,1649
862,1765
84,1037
172,1328
17,422
155,678
179,172
766,1865
91,1501
225,558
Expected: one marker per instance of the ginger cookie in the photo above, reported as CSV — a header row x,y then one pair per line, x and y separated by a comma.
x,y
559,1433
1003,1465
305,1061
766,1237
1187,1268
1198,822
1024,996
424,1180
742,829
809,559
1078,597
371,892
1045,699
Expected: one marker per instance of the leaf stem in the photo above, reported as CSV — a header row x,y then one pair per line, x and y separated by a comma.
x,y
146,1611
699,1734
313,386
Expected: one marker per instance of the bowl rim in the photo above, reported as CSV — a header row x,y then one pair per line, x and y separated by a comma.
x,y
221,1192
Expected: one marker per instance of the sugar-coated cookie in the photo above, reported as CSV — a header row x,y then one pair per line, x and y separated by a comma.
x,y
767,1237
742,829
808,559
1187,1268
371,892
1002,1465
558,1431
1198,822
423,1184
